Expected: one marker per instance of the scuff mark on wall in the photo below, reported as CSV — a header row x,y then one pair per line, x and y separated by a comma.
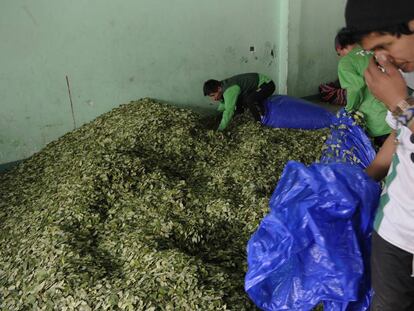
x,y
244,60
90,103
43,138
25,8
71,103
269,53
15,143
52,125
230,50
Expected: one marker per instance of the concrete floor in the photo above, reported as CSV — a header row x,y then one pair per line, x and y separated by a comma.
x,y
328,106
316,100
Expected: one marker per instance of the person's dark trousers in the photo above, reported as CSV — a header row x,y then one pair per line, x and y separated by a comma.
x,y
254,101
391,270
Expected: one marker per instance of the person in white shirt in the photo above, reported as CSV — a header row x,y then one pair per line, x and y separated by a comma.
x,y
387,28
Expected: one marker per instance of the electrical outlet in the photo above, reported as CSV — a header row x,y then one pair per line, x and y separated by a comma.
x,y
252,48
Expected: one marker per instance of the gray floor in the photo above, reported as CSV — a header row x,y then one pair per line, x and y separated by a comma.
x,y
315,99
330,107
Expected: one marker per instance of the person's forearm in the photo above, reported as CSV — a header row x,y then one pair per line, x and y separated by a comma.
x,y
225,120
230,97
378,169
377,172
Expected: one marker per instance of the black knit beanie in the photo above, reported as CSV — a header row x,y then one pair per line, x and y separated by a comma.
x,y
367,15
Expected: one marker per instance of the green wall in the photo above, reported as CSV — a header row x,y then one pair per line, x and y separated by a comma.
x,y
313,25
117,51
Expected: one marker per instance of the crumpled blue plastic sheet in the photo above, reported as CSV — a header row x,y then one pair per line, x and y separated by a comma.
x,y
347,143
290,112
314,244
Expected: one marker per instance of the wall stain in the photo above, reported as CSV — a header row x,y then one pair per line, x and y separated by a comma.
x,y
52,125
244,60
71,102
230,50
269,53
43,138
311,62
30,15
90,103
131,79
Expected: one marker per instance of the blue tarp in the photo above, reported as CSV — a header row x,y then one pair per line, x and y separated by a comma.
x,y
314,245
290,112
347,143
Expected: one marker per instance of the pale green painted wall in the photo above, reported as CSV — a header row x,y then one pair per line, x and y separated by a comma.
x,y
313,25
117,51
282,58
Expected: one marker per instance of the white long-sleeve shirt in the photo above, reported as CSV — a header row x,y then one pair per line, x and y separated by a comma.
x,y
394,221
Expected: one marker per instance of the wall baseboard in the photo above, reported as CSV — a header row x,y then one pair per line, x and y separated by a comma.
x,y
311,98
6,166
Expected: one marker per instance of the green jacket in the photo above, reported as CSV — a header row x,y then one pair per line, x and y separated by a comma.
x,y
235,87
351,70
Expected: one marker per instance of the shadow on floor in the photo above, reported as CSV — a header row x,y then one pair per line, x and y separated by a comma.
x,y
316,100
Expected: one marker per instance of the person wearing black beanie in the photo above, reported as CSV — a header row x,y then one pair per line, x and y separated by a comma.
x,y
386,27
373,15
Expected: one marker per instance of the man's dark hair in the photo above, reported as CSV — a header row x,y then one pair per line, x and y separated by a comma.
x,y
211,86
343,38
396,30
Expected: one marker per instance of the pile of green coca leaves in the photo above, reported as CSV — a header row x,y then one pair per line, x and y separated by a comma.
x,y
141,209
